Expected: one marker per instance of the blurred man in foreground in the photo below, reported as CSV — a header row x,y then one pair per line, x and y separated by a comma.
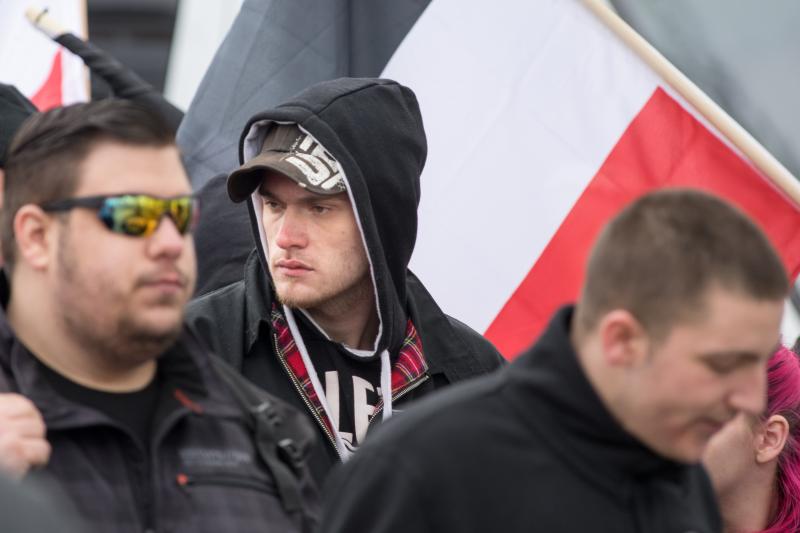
x,y
96,237
601,424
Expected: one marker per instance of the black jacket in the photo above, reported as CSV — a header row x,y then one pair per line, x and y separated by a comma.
x,y
373,128
530,448
201,471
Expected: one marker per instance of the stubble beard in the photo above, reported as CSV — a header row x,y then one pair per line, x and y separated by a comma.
x,y
337,300
117,341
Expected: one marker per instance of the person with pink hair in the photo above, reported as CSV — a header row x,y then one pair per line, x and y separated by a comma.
x,y
754,462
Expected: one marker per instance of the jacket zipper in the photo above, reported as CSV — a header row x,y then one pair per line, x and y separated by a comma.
x,y
185,480
302,394
411,387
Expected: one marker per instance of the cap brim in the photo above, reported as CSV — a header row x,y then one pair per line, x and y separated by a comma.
x,y
245,180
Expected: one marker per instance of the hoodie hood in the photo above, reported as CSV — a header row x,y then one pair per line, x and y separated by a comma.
x,y
373,128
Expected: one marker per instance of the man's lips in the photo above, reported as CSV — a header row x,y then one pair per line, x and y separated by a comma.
x,y
292,267
169,281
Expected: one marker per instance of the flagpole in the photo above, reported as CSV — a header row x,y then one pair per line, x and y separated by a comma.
x,y
738,136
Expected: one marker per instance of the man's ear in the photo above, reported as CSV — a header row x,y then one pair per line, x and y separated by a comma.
x,y
31,233
624,340
771,439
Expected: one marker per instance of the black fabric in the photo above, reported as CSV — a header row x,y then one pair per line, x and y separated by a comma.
x,y
14,109
124,83
132,410
234,320
205,472
284,440
530,448
223,238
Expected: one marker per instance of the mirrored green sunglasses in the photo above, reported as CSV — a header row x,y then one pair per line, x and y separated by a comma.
x,y
137,215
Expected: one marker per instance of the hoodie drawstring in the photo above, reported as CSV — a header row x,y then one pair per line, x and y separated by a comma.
x,y
343,451
386,384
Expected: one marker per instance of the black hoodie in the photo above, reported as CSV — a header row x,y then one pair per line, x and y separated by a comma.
x,y
373,128
531,448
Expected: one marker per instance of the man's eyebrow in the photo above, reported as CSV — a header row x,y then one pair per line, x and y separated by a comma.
x,y
736,355
308,197
730,354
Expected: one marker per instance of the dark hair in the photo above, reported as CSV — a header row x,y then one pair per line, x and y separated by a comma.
x,y
660,255
46,153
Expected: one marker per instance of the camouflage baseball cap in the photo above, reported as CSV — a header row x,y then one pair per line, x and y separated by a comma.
x,y
290,151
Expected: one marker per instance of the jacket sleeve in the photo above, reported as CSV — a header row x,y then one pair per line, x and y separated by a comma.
x,y
372,492
484,350
217,319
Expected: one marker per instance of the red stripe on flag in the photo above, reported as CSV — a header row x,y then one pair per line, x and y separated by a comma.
x,y
664,146
50,94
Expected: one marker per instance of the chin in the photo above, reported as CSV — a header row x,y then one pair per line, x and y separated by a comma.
x,y
687,449
688,452
159,323
298,299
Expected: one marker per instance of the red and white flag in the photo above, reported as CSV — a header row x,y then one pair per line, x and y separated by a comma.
x,y
542,124
43,71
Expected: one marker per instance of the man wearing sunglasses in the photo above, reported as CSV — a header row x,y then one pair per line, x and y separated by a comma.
x,y
99,262
328,316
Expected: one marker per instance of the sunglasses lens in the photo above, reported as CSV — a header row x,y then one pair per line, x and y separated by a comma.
x,y
183,212
140,215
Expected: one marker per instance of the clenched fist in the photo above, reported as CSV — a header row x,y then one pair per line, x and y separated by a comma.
x,y
22,436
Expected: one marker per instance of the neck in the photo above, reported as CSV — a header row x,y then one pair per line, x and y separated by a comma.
x,y
748,506
41,330
352,321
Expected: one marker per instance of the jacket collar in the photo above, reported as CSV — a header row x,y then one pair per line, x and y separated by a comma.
x,y
408,370
258,299
445,351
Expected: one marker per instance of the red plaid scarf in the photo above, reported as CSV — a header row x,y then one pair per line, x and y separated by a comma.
x,y
409,367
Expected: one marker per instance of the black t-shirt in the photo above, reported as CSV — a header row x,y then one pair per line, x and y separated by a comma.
x,y
133,410
351,385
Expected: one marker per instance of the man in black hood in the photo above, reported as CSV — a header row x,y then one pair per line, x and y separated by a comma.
x,y
328,315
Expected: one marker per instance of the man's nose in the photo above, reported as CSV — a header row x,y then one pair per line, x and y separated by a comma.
x,y
166,240
750,394
291,231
